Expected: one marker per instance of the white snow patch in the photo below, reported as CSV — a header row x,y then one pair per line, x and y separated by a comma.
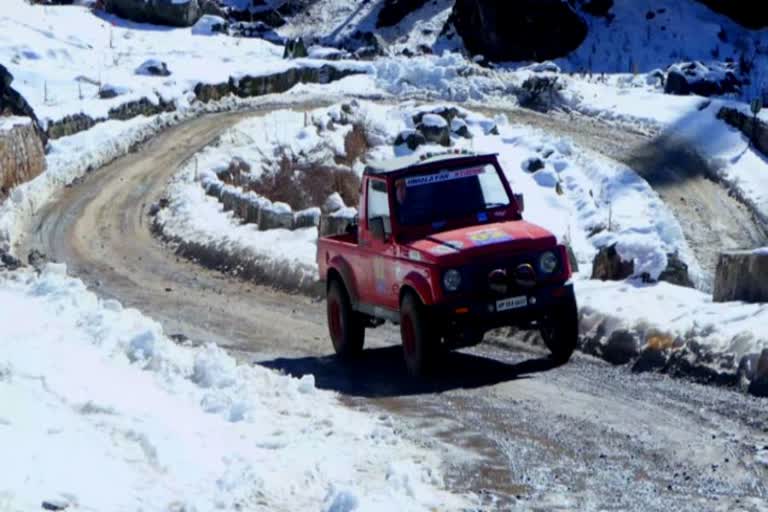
x,y
101,411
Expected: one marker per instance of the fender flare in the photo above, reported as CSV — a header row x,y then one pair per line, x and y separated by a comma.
x,y
341,267
419,284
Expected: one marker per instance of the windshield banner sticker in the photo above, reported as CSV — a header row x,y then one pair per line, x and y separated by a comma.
x,y
489,236
429,179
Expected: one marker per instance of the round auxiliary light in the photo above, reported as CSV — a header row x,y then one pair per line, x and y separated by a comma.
x,y
548,262
452,280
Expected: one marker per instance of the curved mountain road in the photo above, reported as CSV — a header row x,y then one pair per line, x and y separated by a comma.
x,y
514,430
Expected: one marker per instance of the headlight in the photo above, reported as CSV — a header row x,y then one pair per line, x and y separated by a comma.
x,y
452,280
548,262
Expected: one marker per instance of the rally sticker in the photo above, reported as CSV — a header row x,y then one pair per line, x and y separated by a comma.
x,y
489,236
429,179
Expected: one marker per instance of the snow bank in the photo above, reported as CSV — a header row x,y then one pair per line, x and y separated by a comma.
x,y
714,340
150,425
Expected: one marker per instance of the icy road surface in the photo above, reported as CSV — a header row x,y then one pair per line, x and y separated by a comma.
x,y
513,429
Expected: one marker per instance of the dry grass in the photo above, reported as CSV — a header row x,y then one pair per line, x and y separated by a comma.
x,y
304,185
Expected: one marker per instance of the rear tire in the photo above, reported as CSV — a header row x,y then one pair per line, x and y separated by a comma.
x,y
345,325
561,336
420,343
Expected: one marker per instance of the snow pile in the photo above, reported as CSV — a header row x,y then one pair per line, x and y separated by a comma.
x,y
151,425
712,336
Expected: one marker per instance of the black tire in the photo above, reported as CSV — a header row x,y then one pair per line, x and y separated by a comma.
x,y
345,326
561,334
420,343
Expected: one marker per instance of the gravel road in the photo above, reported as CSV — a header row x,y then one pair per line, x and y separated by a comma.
x,y
515,430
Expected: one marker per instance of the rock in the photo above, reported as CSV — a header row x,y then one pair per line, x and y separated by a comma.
x,y
696,78
394,11
541,93
752,15
435,129
107,91
546,177
229,198
70,125
210,25
309,218
412,138
333,204
55,505
533,164
37,259
518,31
13,104
177,13
676,272
460,128
742,276
608,265
759,384
212,92
257,30
276,216
142,107
214,189
447,113
22,153
9,261
331,225
153,67
212,8
621,347
295,49
249,86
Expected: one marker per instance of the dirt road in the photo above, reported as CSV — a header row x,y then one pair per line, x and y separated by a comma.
x,y
514,430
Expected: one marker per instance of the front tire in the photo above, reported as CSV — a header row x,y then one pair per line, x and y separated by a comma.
x,y
345,325
420,343
561,335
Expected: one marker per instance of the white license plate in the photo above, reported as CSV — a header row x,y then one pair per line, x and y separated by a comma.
x,y
512,303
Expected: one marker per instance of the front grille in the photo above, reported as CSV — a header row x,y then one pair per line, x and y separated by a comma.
x,y
478,282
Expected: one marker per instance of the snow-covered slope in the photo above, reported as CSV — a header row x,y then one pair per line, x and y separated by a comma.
x,y
99,410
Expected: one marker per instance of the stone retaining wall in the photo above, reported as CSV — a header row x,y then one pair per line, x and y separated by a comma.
x,y
22,155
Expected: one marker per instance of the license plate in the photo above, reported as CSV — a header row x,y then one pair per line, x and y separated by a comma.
x,y
512,303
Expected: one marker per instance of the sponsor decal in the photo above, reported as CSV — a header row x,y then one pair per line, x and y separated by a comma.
x,y
449,247
429,179
414,255
482,217
489,237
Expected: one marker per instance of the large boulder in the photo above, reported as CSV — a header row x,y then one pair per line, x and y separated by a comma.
x,y
13,104
22,153
520,30
608,265
435,129
177,13
752,14
742,276
696,78
541,93
394,11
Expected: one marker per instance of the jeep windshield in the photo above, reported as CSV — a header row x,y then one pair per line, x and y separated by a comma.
x,y
437,197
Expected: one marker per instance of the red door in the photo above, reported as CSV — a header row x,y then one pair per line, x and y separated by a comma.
x,y
378,253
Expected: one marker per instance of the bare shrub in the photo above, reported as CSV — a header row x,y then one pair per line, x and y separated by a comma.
x,y
304,185
355,146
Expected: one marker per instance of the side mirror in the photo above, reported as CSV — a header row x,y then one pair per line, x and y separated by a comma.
x,y
376,227
520,200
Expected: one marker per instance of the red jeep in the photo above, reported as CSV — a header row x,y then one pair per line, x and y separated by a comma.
x,y
442,250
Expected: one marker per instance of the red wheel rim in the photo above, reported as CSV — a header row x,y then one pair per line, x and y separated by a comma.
x,y
409,336
337,331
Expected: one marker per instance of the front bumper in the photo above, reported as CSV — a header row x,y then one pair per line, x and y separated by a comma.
x,y
482,314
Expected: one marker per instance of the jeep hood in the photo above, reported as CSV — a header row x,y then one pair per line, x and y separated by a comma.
x,y
496,239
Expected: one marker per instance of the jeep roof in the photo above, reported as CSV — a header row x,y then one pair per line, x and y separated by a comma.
x,y
411,162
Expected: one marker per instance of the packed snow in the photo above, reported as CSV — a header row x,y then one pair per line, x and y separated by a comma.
x,y
154,425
